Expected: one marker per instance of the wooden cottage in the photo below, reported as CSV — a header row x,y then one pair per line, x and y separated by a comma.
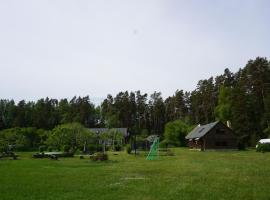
x,y
215,135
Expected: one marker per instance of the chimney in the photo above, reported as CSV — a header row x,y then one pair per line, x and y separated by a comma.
x,y
229,124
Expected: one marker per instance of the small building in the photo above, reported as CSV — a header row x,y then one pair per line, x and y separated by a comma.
x,y
215,135
123,131
98,131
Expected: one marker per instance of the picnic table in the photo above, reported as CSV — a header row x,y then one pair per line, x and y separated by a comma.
x,y
9,154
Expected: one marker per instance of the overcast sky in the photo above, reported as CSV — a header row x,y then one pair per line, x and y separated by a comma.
x,y
62,48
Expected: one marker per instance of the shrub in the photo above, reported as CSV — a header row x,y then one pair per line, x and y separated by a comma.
x,y
175,132
128,149
263,147
3,146
99,156
50,149
21,147
163,144
66,148
42,148
72,133
66,155
91,148
99,148
117,148
242,145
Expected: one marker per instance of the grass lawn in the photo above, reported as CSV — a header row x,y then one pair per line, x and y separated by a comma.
x,y
187,175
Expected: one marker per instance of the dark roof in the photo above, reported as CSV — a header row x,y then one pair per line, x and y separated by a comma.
x,y
124,131
200,131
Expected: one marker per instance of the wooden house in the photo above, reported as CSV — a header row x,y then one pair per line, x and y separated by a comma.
x,y
215,135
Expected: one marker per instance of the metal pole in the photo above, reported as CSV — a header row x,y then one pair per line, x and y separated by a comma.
x,y
135,146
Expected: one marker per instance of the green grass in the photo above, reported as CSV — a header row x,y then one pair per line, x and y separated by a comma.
x,y
187,175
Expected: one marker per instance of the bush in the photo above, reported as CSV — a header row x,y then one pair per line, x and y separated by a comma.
x,y
92,148
50,149
175,132
242,146
65,155
3,146
99,156
163,144
117,148
128,149
21,147
42,148
99,148
263,147
66,148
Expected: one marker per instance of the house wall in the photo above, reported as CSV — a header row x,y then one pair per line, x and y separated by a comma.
x,y
220,137
196,144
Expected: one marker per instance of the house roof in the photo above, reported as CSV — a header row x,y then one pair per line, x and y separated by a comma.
x,y
200,131
124,131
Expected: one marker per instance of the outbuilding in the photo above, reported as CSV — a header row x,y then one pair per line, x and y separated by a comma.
x,y
215,135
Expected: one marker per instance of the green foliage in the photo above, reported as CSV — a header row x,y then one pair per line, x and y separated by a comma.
x,y
91,148
164,144
144,133
50,149
242,97
100,148
22,138
66,148
128,148
242,145
42,148
112,121
117,148
73,135
263,147
223,110
202,101
3,145
267,132
175,133
116,138
47,113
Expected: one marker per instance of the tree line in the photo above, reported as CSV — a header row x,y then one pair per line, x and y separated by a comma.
x,y
47,113
243,98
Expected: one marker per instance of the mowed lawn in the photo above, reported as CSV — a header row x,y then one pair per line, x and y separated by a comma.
x,y
187,175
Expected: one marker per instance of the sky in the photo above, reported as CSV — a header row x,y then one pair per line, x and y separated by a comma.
x,y
63,48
